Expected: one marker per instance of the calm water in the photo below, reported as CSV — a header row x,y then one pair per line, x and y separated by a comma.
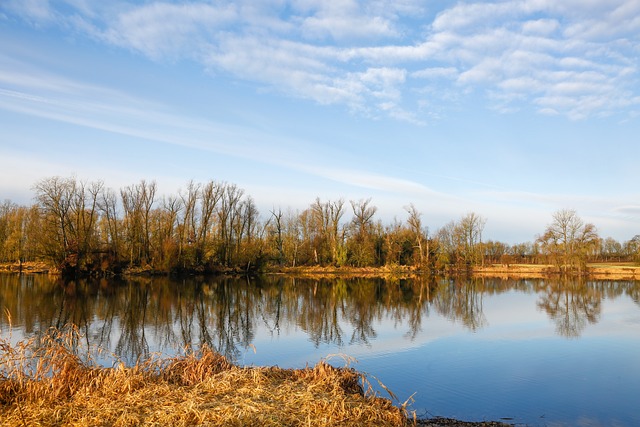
x,y
536,352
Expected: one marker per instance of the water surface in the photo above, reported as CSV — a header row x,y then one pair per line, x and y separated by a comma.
x,y
549,353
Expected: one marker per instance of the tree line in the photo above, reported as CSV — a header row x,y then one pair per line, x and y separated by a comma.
x,y
85,227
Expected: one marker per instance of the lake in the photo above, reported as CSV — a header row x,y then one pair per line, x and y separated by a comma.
x,y
534,352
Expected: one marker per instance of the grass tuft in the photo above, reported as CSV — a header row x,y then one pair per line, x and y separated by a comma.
x,y
44,382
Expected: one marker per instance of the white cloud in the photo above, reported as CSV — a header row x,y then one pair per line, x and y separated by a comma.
x,y
383,83
339,26
161,29
35,11
605,20
374,181
542,27
343,20
112,111
565,75
436,73
467,15
629,211
326,51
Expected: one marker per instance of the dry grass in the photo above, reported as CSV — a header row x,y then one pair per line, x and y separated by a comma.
x,y
26,267
317,272
44,383
595,271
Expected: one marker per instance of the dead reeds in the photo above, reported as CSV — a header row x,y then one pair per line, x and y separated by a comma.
x,y
45,383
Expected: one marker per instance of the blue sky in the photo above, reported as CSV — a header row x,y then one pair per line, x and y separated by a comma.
x,y
509,109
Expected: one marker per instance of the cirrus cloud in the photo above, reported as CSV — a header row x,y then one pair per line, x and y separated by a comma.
x,y
384,58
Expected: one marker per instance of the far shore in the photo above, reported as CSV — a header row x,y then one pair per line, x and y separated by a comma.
x,y
599,271
596,271
593,271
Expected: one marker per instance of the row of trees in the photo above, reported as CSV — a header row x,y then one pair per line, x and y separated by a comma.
x,y
86,227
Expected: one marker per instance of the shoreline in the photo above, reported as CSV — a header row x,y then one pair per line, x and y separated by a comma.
x,y
199,388
597,271
600,271
594,271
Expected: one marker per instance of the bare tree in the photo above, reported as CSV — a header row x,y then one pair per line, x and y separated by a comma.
x,y
55,197
85,206
326,233
16,234
420,234
470,230
189,224
247,232
137,202
166,239
567,240
632,248
362,249
227,216
211,194
109,212
320,220
278,232
70,209
446,253
611,249
362,216
336,236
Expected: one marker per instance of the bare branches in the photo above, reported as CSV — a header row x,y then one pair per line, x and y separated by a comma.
x,y
568,240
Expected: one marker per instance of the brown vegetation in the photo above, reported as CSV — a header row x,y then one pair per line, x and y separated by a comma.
x,y
46,383
399,271
84,228
600,271
596,271
25,267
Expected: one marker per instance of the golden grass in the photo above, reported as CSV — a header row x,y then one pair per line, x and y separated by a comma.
x,y
43,383
595,271
315,271
26,267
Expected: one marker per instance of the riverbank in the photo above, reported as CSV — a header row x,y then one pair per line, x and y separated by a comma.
x,y
594,271
45,383
599,271
26,267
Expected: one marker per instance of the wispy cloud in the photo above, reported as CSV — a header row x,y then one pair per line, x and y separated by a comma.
x,y
548,202
571,58
161,30
373,181
629,211
112,111
340,20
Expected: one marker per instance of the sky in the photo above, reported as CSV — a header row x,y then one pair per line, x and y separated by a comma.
x,y
509,109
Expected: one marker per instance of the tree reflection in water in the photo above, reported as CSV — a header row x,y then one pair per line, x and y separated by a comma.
x,y
572,304
226,314
133,319
461,300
